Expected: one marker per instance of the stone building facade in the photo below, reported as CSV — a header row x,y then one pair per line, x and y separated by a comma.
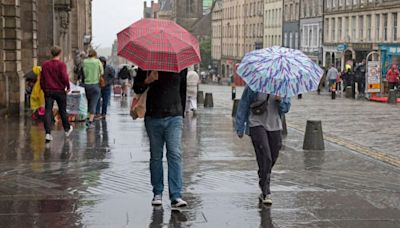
x,y
355,28
216,37
273,23
311,27
291,24
152,10
29,29
242,31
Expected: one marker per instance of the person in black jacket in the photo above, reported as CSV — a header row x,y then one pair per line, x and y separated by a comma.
x,y
165,107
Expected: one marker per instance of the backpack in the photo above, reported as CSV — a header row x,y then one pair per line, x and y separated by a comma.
x,y
124,73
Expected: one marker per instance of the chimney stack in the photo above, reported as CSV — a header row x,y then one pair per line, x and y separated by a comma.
x,y
145,4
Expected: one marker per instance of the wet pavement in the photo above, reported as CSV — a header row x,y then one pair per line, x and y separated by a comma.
x,y
100,177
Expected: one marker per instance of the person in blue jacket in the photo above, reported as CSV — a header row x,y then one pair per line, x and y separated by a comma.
x,y
259,116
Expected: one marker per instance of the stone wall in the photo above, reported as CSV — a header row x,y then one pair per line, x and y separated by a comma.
x,y
31,28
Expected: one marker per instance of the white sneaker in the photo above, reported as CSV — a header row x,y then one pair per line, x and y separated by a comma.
x,y
157,200
265,199
49,138
68,133
178,203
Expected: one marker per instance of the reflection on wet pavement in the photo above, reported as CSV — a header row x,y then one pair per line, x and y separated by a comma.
x,y
100,178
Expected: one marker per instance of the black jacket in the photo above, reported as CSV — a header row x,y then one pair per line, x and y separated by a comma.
x,y
166,96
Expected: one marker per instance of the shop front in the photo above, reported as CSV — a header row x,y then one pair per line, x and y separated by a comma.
x,y
390,54
333,54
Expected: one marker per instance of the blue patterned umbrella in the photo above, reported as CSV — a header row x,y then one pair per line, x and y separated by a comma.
x,y
280,71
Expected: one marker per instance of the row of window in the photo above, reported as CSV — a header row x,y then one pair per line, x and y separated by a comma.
x,y
272,40
291,40
237,50
334,4
251,9
273,17
374,27
292,11
248,31
311,8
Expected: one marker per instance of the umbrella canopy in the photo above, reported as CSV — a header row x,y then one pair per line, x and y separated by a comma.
x,y
162,45
280,71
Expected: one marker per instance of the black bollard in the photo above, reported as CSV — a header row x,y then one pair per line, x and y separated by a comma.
x,y
392,97
200,97
233,92
314,138
284,125
209,102
235,107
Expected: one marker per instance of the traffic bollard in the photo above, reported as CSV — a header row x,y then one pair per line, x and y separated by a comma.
x,y
349,92
392,97
314,138
233,92
209,102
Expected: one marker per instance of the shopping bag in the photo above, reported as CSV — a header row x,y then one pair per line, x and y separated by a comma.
x,y
138,106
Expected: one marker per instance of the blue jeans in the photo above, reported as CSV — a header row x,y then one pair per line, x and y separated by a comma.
x,y
104,100
165,131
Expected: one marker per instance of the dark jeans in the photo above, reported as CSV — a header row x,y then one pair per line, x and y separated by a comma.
x,y
266,145
104,100
392,85
93,96
61,99
165,132
361,87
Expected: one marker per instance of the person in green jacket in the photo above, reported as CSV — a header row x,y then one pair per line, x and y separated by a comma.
x,y
93,69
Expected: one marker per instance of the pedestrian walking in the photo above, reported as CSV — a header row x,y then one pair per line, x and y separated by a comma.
x,y
360,72
93,69
104,100
165,106
192,85
392,77
332,76
124,76
54,82
260,113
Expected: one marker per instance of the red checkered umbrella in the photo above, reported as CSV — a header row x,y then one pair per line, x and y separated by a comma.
x,y
161,45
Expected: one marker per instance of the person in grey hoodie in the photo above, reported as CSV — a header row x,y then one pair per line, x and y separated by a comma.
x,y
332,76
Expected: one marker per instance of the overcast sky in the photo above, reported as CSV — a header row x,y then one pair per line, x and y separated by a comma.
x,y
110,17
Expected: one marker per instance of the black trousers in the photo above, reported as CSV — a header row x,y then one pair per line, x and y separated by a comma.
x,y
61,99
266,145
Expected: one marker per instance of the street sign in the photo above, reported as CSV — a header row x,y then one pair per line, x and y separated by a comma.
x,y
373,77
341,47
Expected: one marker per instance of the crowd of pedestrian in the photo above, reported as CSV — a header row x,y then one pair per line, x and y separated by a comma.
x,y
354,77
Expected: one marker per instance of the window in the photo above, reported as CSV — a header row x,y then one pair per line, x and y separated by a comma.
x,y
290,40
353,26
385,27
326,27
296,44
285,40
339,29
377,26
369,38
315,36
333,37
305,36
395,26
361,27
346,23
328,4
